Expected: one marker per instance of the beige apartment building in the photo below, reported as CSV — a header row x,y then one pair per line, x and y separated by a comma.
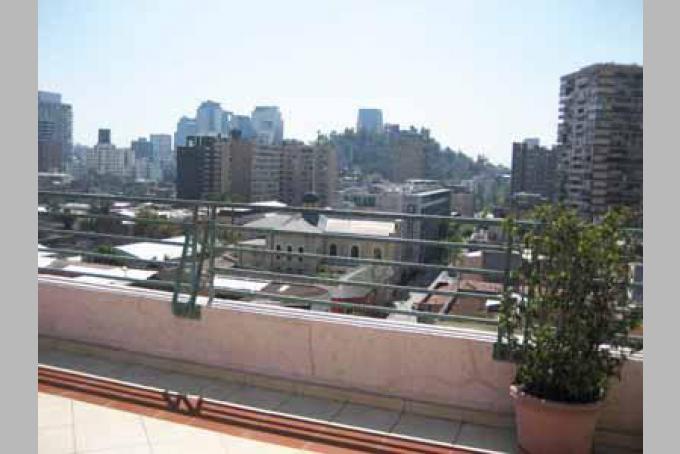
x,y
600,138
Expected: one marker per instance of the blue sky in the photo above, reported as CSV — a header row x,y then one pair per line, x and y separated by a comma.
x,y
479,73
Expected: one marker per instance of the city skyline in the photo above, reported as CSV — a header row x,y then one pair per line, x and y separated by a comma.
x,y
406,60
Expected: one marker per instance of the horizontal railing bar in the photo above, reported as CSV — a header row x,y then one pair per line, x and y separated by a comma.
x,y
333,281
57,271
423,314
110,235
121,218
389,310
261,208
366,261
396,240
126,258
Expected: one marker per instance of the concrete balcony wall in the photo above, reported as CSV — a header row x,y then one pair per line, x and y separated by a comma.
x,y
420,365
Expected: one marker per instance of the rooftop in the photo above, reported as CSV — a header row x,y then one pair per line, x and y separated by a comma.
x,y
154,251
357,226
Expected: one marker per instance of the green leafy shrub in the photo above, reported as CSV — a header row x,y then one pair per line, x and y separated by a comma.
x,y
569,331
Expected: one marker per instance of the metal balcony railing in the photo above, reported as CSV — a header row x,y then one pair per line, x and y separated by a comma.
x,y
211,229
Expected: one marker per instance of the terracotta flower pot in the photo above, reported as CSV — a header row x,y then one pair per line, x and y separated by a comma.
x,y
559,428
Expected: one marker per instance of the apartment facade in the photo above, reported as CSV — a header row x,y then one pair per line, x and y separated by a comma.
x,y
203,168
266,164
407,148
533,169
55,132
253,172
308,169
106,159
600,138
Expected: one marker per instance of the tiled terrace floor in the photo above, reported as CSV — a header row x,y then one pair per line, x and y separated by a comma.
x,y
337,411
67,425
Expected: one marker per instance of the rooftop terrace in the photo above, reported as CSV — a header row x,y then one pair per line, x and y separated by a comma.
x,y
426,375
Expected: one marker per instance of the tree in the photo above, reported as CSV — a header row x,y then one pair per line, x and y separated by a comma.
x,y
457,233
148,223
109,250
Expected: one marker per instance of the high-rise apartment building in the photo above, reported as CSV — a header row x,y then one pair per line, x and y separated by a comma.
x,y
105,159
268,125
407,148
265,174
462,200
186,127
202,168
600,138
308,169
370,120
533,169
253,172
55,132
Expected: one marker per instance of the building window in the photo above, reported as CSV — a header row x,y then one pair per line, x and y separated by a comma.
x,y
333,250
289,249
377,253
355,251
301,250
278,248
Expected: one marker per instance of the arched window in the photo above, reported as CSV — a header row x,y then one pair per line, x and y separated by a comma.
x,y
377,253
301,250
355,251
333,250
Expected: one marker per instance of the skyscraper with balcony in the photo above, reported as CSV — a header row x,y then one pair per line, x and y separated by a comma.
x,y
600,138
533,169
370,120
268,125
55,132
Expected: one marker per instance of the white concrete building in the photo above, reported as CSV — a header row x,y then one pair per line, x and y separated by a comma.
x,y
106,159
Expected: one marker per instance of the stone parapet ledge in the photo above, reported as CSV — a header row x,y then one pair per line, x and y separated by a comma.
x,y
439,371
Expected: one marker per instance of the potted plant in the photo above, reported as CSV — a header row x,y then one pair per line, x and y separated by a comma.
x,y
565,321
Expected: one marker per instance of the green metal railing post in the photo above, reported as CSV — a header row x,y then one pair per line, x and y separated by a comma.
x,y
212,220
